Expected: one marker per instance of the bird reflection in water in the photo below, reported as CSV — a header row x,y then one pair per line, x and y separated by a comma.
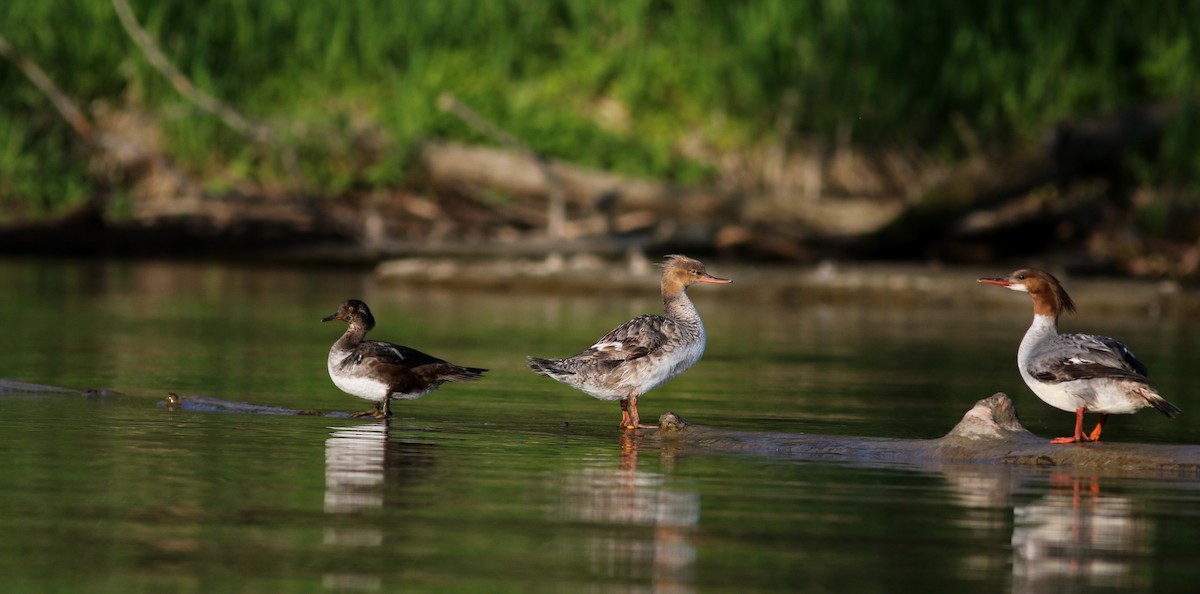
x,y
647,529
984,495
364,470
1075,536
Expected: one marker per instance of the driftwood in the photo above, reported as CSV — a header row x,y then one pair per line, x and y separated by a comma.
x,y
989,433
974,186
998,188
450,164
236,121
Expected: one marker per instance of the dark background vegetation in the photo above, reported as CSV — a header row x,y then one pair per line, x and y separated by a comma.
x,y
699,94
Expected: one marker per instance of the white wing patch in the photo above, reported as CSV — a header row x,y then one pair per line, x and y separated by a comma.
x,y
395,351
609,346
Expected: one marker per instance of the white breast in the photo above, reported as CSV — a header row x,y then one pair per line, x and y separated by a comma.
x,y
351,383
1096,395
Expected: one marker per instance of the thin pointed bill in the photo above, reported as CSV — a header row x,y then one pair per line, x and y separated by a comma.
x,y
708,278
999,282
332,317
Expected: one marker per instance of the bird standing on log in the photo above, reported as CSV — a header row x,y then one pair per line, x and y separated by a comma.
x,y
1076,372
643,353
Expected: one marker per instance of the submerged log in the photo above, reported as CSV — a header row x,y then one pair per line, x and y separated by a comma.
x,y
989,433
174,402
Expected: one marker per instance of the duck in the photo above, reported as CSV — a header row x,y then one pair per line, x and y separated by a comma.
x,y
381,371
1080,373
643,353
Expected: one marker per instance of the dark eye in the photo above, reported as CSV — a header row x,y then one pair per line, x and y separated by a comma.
x,y
1020,277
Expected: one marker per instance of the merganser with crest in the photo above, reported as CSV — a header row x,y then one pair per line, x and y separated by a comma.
x,y
1076,372
380,371
643,353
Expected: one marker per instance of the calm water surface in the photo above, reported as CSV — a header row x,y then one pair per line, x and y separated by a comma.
x,y
518,484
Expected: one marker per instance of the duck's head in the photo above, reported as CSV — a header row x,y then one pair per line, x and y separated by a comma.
x,y
1049,296
681,271
353,312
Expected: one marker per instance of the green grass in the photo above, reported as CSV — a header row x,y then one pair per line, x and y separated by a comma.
x,y
354,84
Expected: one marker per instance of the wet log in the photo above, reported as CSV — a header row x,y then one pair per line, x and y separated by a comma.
x,y
9,386
989,433
174,402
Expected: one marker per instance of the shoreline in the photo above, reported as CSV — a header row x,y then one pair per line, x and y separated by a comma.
x,y
903,284
895,284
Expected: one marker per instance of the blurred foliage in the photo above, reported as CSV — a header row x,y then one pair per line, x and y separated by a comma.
x,y
621,85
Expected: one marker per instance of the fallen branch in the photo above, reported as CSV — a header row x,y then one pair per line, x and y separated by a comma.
x,y
66,108
129,154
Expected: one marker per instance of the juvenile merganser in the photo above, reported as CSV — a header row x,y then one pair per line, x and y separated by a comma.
x,y
1076,372
380,371
643,353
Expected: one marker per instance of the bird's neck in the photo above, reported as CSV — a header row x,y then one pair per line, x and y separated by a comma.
x,y
352,338
678,307
1042,328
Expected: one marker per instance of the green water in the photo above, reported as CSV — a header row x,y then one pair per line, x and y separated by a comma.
x,y
518,484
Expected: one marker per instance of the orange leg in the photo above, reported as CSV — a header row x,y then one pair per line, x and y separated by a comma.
x,y
1079,436
1095,434
377,413
625,414
635,420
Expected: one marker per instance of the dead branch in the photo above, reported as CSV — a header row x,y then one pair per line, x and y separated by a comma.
x,y
129,154
256,131
65,106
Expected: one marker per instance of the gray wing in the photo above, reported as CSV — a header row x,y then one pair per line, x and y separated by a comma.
x,y
634,339
1085,356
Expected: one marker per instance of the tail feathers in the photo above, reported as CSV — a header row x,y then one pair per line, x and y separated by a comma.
x,y
1165,407
548,367
1161,404
463,374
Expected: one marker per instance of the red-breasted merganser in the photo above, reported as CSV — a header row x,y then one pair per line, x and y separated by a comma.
x,y
643,353
380,371
1076,372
